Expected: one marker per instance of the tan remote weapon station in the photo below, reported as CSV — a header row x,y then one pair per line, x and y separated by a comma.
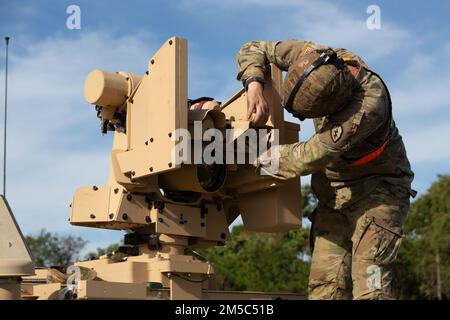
x,y
170,207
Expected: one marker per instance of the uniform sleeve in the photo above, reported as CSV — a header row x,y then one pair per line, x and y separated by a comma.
x,y
308,157
254,56
340,132
304,158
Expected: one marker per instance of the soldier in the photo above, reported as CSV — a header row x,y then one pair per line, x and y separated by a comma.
x,y
360,171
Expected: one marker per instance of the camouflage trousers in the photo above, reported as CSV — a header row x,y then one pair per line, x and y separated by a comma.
x,y
354,248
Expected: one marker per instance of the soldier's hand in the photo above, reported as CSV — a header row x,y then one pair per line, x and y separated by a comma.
x,y
257,108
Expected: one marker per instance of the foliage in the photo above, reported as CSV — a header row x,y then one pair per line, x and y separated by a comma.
x,y
275,262
102,251
262,262
54,250
425,252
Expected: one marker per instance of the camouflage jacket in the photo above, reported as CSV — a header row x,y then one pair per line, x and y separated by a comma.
x,y
364,126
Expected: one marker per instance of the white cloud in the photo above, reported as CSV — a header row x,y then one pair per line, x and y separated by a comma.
x,y
326,23
423,87
321,21
429,145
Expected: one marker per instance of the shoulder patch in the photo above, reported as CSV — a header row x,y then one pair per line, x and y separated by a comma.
x,y
307,49
336,132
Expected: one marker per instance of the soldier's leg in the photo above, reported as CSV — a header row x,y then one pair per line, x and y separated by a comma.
x,y
330,275
376,240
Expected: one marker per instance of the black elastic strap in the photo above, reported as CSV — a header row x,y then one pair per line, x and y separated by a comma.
x,y
390,120
323,59
388,95
252,79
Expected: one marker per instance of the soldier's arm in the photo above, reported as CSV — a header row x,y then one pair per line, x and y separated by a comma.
x,y
343,130
253,57
304,158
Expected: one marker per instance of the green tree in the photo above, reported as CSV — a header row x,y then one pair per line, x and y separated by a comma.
x,y
422,270
102,251
51,249
276,262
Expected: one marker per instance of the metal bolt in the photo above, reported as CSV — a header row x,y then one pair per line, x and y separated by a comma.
x,y
146,143
116,190
170,134
151,169
111,215
170,42
124,216
92,216
159,205
151,140
147,219
203,211
95,188
146,72
170,164
152,61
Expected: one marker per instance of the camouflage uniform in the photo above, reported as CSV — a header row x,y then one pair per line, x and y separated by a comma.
x,y
360,174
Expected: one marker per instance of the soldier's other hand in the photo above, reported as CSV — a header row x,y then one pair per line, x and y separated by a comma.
x,y
257,108
273,162
267,163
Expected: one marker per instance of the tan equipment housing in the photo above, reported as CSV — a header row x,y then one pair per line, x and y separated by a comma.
x,y
15,257
167,206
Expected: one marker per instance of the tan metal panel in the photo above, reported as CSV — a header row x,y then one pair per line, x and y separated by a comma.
x,y
181,289
47,291
158,108
15,257
111,290
273,210
216,224
179,220
90,204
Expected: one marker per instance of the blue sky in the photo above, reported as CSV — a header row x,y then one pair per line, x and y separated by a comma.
x,y
54,141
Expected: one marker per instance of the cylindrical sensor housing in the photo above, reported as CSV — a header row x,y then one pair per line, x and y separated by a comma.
x,y
198,178
105,89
